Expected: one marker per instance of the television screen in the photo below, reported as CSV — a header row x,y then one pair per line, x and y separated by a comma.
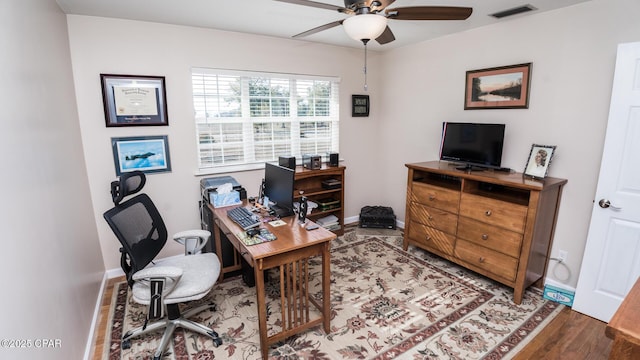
x,y
476,146
278,186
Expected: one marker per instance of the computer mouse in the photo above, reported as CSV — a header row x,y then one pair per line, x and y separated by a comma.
x,y
253,232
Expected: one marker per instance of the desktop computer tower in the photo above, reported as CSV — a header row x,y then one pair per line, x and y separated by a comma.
x,y
210,246
207,185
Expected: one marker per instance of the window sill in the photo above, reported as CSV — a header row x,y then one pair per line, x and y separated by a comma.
x,y
229,169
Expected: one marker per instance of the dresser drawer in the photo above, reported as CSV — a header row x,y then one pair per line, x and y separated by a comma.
x,y
495,212
439,219
431,238
503,266
492,237
437,197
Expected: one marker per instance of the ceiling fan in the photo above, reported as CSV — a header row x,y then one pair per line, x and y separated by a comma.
x,y
369,20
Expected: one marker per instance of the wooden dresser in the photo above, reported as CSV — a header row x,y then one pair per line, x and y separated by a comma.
x,y
497,224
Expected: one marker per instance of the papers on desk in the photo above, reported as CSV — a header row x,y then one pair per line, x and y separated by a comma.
x,y
276,223
264,236
329,222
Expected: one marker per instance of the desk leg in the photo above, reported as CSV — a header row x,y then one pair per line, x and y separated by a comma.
x,y
262,308
326,291
218,246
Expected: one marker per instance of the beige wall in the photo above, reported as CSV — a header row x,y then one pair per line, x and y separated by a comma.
x,y
57,246
573,53
50,261
101,45
413,90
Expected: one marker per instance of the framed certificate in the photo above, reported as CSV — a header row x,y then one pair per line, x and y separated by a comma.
x,y
131,100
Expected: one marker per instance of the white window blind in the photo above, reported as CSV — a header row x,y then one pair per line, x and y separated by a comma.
x,y
244,119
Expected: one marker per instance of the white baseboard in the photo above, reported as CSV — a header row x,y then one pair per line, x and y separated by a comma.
x,y
96,318
549,281
113,273
351,220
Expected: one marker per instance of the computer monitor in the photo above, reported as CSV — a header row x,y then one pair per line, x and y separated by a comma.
x,y
278,187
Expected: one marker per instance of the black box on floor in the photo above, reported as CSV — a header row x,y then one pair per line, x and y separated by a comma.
x,y
380,217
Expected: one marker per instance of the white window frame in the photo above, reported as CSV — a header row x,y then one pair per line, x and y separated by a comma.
x,y
322,141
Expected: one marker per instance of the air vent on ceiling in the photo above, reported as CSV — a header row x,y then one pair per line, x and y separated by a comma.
x,y
514,11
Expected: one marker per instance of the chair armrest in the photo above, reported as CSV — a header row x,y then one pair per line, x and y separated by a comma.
x,y
193,240
171,274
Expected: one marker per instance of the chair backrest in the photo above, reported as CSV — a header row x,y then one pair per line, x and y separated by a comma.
x,y
138,226
129,183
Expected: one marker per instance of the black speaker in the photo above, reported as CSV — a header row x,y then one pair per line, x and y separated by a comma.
x,y
334,159
287,161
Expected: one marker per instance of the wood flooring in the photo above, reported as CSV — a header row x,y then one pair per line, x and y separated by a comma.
x,y
570,335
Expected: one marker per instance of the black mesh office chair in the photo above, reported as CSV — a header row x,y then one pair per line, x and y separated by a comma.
x,y
162,286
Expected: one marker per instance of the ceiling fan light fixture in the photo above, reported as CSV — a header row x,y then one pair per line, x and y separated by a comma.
x,y
365,26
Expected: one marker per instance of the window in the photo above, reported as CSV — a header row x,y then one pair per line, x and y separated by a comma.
x,y
244,119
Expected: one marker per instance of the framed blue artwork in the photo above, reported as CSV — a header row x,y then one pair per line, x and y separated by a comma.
x,y
149,154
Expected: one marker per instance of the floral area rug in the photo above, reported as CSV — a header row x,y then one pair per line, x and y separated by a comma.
x,y
386,303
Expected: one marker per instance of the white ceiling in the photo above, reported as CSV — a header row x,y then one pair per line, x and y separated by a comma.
x,y
279,19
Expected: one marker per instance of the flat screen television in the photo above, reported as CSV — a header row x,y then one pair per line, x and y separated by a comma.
x,y
278,187
474,146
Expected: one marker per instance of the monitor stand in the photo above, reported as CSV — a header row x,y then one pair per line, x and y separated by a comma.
x,y
469,167
281,211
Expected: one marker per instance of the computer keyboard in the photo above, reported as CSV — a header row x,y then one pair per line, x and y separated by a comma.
x,y
243,217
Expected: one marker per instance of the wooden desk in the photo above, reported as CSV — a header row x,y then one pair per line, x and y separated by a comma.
x,y
289,253
624,327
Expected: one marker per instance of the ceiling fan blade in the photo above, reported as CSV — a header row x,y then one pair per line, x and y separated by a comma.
x,y
386,37
318,29
429,13
315,4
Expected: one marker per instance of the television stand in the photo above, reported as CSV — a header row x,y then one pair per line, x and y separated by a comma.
x,y
500,225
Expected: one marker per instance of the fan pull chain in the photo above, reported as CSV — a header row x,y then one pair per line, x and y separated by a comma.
x,y
365,41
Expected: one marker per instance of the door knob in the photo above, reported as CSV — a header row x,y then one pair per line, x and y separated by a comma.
x,y
604,203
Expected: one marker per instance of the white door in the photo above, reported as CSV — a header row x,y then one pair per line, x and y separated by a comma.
x,y
611,262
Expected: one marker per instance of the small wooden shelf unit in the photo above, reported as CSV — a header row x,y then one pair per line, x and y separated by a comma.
x,y
309,182
497,224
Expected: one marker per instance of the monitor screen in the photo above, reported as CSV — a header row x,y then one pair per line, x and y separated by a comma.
x,y
278,187
473,145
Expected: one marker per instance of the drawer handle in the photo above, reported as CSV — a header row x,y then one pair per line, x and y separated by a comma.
x,y
484,236
428,237
481,259
488,212
430,217
432,197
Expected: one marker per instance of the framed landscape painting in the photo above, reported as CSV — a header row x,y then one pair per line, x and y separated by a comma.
x,y
149,154
505,87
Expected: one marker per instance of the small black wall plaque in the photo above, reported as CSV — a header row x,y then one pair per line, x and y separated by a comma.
x,y
359,105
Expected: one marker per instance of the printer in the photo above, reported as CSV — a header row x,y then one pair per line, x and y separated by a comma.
x,y
208,185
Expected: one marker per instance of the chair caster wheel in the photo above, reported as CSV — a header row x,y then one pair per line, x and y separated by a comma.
x,y
126,344
217,342
214,335
213,307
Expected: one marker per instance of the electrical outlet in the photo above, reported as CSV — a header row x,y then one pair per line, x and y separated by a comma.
x,y
562,255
